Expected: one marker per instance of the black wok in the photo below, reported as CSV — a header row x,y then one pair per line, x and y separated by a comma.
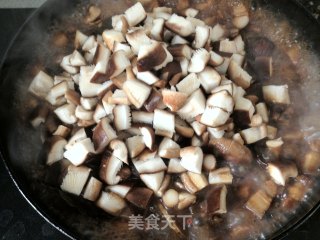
x,y
21,145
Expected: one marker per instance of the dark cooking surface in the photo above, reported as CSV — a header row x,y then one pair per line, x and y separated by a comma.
x,y
18,220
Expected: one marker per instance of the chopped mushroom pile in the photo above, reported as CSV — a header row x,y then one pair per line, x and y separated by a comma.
x,y
160,99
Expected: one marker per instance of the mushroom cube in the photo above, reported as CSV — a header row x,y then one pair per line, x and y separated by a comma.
x,y
173,100
163,120
135,14
56,149
41,84
93,189
109,169
168,148
220,176
103,133
117,64
180,25
79,151
231,150
153,180
238,75
199,60
209,79
281,172
170,198
75,179
276,94
191,159
111,202
254,134
215,201
175,166
140,197
259,203
151,165
137,92
122,117
189,84
135,145
194,106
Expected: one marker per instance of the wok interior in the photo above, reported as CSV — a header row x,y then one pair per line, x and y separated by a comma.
x,y
283,22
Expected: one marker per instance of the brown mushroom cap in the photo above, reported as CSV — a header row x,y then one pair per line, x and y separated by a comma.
x,y
109,168
231,150
174,100
215,202
140,197
102,135
151,56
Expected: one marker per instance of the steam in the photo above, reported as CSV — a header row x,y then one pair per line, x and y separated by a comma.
x,y
34,50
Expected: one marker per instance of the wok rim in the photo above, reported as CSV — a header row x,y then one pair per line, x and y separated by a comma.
x,y
281,233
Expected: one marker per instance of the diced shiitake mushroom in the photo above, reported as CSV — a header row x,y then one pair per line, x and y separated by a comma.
x,y
163,121
111,202
238,75
170,198
153,180
66,113
62,131
135,14
174,100
276,94
164,185
199,60
93,15
121,189
92,189
135,145
185,200
109,168
103,134
119,150
169,148
194,106
140,197
151,165
180,25
75,179
254,134
175,166
220,176
122,117
232,150
41,84
137,92
56,149
209,162
79,151
281,172
311,162
193,182
189,84
259,203
240,16
159,91
191,159
215,200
